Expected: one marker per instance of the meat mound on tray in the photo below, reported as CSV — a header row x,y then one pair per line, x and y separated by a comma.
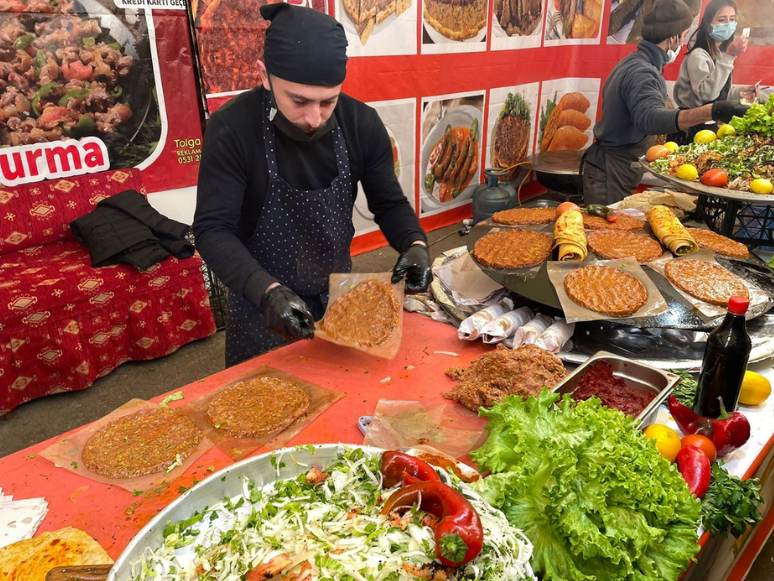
x,y
524,371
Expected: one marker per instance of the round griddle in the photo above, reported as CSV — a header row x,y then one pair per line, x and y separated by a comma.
x,y
681,313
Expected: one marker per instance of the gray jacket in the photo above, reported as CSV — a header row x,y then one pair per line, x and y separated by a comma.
x,y
701,79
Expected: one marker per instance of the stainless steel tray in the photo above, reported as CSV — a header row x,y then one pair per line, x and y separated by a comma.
x,y
699,188
636,375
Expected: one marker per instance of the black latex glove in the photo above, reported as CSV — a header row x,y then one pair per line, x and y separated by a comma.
x,y
287,314
724,110
414,263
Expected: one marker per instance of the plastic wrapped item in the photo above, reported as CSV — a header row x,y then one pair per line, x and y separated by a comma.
x,y
529,333
556,336
505,325
470,328
370,331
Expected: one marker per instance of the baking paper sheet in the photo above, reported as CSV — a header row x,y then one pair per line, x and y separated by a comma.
x,y
19,519
66,453
574,313
239,448
449,428
706,311
342,283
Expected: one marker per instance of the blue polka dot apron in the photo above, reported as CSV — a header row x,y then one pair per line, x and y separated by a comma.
x,y
301,237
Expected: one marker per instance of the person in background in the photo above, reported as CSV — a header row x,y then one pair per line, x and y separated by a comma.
x,y
277,185
707,72
634,107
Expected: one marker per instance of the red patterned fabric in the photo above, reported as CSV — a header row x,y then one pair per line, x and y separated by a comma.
x,y
63,323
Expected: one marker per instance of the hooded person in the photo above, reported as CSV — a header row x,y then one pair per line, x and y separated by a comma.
x,y
278,179
634,107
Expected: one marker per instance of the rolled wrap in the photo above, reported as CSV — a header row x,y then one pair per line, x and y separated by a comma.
x,y
570,237
670,231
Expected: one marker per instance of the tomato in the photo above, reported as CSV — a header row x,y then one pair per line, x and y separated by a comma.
x,y
564,206
715,177
77,70
703,443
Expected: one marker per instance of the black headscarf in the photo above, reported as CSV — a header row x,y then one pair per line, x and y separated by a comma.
x,y
304,46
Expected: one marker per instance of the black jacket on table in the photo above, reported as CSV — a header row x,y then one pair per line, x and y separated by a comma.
x,y
233,179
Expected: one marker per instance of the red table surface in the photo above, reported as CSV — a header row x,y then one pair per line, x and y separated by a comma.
x,y
113,515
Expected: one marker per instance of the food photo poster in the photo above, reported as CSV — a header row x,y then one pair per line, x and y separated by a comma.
x,y
571,22
568,111
517,24
399,118
628,16
379,29
513,112
450,150
453,26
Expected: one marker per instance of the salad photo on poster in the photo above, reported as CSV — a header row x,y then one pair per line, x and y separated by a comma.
x,y
451,151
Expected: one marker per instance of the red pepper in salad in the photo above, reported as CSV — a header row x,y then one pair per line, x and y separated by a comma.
x,y
459,535
397,466
695,467
728,432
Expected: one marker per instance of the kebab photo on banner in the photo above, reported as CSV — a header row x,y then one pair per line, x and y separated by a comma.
x,y
573,22
517,24
628,16
454,26
511,129
450,155
380,28
567,114
399,118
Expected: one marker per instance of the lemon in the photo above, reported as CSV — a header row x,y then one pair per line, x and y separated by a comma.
x,y
687,172
726,131
671,146
761,186
755,389
667,440
705,136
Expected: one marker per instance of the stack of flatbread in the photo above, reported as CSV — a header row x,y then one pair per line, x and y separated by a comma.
x,y
32,559
680,203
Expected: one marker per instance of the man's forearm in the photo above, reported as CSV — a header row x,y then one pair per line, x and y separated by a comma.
x,y
692,117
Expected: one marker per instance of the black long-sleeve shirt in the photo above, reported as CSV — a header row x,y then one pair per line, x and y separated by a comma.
x,y
233,180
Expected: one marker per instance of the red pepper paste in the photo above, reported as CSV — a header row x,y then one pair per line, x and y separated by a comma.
x,y
599,381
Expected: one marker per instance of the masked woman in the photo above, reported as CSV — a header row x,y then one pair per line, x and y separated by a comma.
x,y
706,74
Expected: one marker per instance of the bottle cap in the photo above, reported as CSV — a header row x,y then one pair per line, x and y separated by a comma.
x,y
738,305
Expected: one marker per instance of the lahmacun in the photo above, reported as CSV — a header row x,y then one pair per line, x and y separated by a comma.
x,y
145,442
605,289
366,316
515,248
525,216
257,407
706,281
719,243
622,222
613,244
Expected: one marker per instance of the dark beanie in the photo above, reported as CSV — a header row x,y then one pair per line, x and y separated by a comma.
x,y
304,46
667,18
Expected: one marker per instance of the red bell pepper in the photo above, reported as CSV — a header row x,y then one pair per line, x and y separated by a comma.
x,y
397,466
728,432
695,467
459,535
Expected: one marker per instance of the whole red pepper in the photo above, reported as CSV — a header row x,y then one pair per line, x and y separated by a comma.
x,y
695,467
397,466
459,535
728,432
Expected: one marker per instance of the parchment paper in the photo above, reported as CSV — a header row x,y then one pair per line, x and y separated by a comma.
x,y
449,428
239,448
342,283
707,311
66,453
574,313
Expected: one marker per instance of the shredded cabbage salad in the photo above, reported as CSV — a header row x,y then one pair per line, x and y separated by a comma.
x,y
328,531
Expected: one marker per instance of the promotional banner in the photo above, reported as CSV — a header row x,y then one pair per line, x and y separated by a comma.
x,y
92,85
463,85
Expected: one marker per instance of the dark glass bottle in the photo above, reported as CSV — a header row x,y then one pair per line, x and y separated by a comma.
x,y
725,361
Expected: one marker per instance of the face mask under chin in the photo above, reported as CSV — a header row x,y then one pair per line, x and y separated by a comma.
x,y
673,52
295,133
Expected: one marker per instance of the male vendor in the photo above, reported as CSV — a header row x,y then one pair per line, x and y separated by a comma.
x,y
634,108
277,184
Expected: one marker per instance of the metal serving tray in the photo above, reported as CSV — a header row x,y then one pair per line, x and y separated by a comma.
x,y
638,376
